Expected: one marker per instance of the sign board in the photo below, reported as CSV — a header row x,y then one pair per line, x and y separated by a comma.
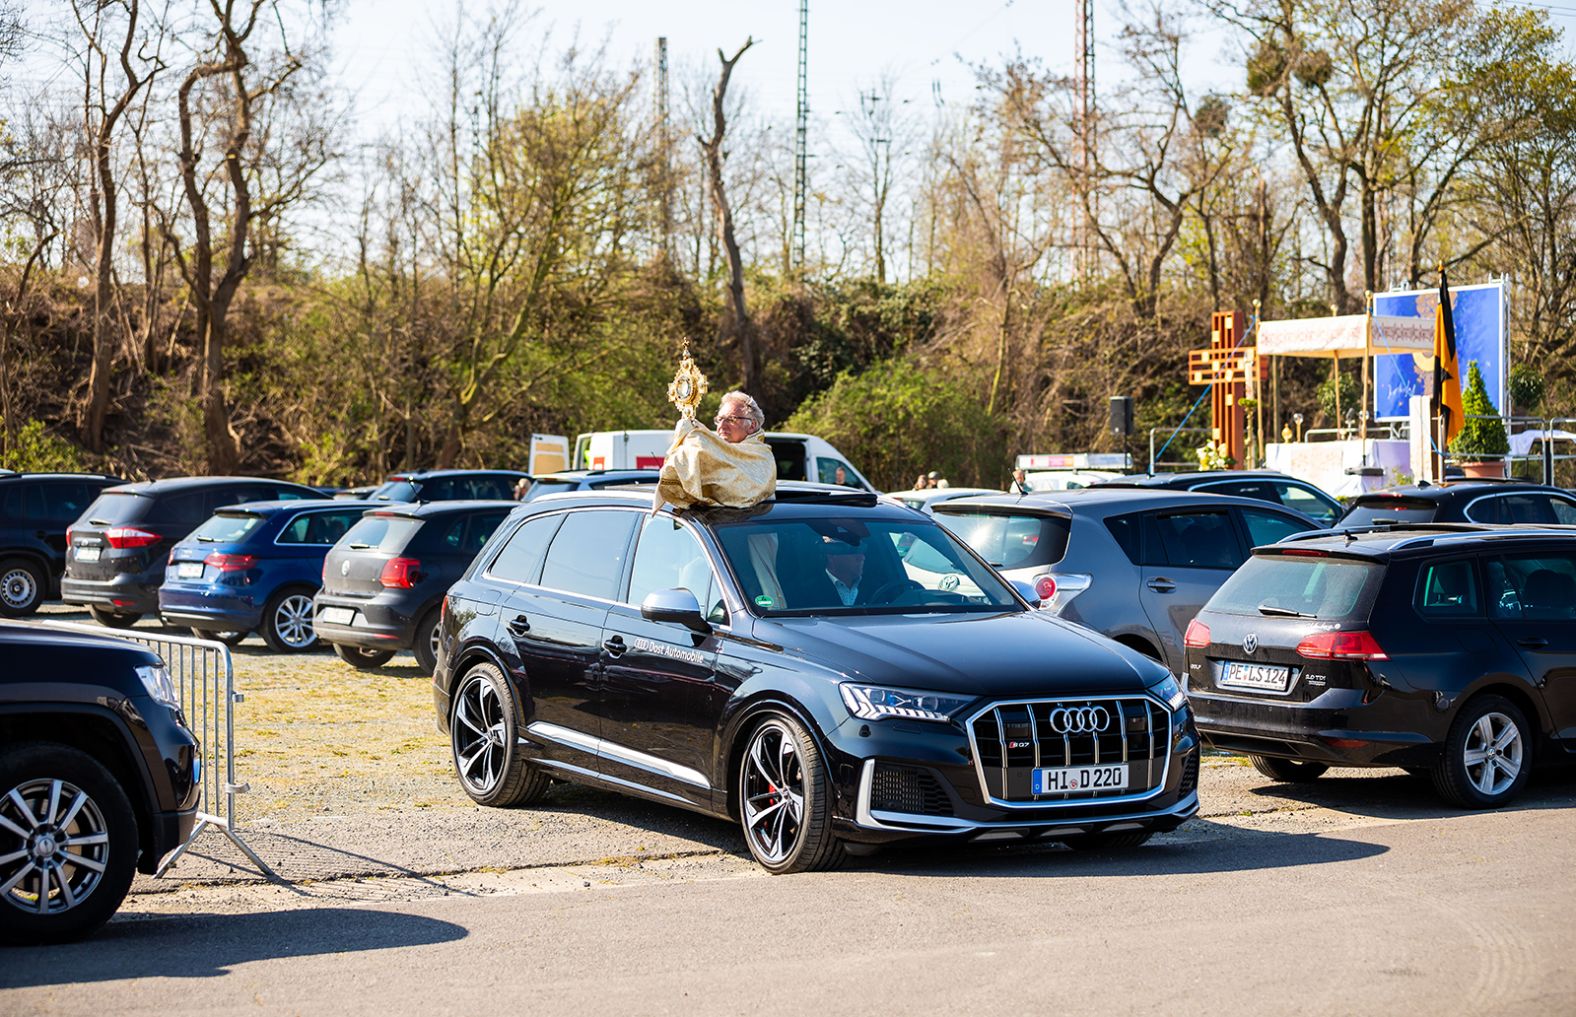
x,y
549,454
1074,461
1479,315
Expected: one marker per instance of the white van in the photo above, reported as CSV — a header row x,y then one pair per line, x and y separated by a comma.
x,y
799,456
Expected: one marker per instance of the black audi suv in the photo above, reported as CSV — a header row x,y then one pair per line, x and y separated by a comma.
x,y
784,666
1446,650
1464,501
35,510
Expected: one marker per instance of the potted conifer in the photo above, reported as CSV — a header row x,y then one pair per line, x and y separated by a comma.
x,y
1481,445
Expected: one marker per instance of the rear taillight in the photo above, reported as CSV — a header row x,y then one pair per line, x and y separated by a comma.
x,y
1045,588
1197,635
401,573
230,562
129,536
1360,645
68,536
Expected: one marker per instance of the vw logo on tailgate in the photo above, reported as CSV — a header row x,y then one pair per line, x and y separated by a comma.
x,y
1250,642
1080,719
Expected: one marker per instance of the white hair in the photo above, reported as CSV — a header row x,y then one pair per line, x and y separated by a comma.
x,y
751,407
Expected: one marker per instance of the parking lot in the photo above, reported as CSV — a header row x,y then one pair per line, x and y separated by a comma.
x,y
605,902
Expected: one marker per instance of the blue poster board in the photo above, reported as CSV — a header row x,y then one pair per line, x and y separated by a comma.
x,y
1479,313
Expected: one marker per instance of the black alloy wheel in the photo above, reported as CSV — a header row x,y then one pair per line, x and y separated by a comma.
x,y
1488,754
114,619
68,843
485,744
425,645
785,799
1287,771
21,587
363,657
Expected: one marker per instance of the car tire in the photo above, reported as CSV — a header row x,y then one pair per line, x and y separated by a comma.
x,y
424,646
1121,840
1287,771
363,657
98,817
287,621
21,587
1488,738
786,832
227,638
485,745
114,619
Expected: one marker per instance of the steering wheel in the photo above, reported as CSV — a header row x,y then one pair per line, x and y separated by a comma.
x,y
890,590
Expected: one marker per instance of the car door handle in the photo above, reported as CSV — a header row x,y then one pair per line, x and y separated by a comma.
x,y
1161,585
614,645
520,625
1532,643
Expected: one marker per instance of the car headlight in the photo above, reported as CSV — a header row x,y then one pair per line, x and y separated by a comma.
x,y
156,679
1170,690
875,702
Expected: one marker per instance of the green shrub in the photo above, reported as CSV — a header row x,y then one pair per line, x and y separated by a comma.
x,y
1483,434
35,448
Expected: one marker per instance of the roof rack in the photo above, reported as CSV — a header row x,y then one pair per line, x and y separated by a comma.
x,y
1384,527
1489,533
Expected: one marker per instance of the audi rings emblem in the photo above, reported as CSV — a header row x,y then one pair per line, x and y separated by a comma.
x,y
1250,642
1080,719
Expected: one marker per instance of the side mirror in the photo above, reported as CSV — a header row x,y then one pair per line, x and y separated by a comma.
x,y
1026,592
675,605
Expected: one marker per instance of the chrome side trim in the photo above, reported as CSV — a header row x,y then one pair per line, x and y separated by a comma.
x,y
605,749
911,823
594,775
979,768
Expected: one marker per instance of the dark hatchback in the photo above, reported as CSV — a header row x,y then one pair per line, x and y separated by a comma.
x,y
1464,501
99,778
782,667
255,567
1263,485
119,547
383,583
448,485
35,511
1445,651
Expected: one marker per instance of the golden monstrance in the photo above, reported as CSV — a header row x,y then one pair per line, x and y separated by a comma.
x,y
688,385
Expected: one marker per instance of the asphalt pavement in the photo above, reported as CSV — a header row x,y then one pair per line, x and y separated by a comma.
x,y
1349,895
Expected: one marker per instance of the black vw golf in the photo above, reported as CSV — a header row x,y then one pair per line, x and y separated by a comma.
x,y
823,668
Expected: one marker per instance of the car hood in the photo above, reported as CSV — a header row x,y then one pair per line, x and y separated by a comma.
x,y
1023,653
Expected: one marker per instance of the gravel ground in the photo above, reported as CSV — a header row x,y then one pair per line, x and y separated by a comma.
x,y
350,780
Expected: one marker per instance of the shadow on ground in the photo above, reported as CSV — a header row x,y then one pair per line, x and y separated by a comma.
x,y
208,945
1403,796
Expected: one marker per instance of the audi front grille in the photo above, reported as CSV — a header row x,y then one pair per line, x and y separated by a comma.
x,y
1013,739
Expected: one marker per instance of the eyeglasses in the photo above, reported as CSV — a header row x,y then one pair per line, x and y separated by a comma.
x,y
746,421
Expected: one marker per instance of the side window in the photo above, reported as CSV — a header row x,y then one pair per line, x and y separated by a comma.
x,y
834,471
296,530
187,509
669,556
1564,511
451,536
1201,540
437,489
1533,587
587,554
500,488
1300,499
1529,508
521,558
790,457
320,528
480,530
1244,489
1126,531
1269,527
25,503
64,502
1488,510
1447,590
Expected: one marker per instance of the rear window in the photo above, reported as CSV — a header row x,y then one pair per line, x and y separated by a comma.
x,y
1378,511
385,533
546,487
458,534
1275,584
226,529
1010,541
394,490
117,508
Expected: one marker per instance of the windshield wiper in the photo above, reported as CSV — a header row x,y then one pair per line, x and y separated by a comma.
x,y
358,547
208,540
1283,612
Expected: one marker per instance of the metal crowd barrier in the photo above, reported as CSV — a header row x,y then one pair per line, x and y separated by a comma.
x,y
205,686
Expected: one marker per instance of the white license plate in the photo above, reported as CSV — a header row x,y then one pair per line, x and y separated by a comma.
x,y
1100,777
188,570
88,554
337,615
1256,677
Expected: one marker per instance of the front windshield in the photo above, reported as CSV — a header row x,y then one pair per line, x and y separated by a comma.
x,y
844,564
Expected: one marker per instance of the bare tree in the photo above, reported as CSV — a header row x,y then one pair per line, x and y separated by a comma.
x,y
740,326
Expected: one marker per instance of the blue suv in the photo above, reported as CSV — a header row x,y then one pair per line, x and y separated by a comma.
x,y
255,566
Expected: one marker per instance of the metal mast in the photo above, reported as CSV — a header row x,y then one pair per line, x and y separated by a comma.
x,y
801,134
665,156
1083,126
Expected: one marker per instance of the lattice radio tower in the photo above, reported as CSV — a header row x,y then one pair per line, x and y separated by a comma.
x,y
1084,128
801,132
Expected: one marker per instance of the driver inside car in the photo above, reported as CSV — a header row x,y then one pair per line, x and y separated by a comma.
x,y
845,566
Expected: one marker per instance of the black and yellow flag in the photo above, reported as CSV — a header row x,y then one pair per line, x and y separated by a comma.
x,y
1447,371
